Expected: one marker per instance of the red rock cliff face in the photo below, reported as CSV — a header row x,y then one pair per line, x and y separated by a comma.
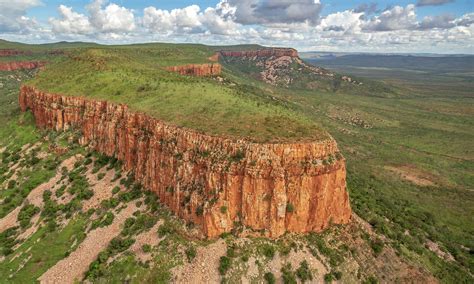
x,y
15,65
277,52
11,52
217,183
197,69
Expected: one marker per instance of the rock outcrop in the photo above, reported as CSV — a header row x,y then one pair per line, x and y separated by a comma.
x,y
12,52
218,183
268,52
16,65
210,69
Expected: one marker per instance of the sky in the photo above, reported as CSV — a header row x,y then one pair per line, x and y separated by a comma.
x,y
416,26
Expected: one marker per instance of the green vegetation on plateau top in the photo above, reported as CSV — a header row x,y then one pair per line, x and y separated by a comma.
x,y
134,75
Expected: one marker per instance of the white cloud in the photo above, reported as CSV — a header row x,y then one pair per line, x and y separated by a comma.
x,y
112,19
396,18
70,22
13,15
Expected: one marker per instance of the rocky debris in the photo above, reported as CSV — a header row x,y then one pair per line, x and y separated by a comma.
x,y
434,247
35,197
77,263
199,70
16,65
218,183
203,268
267,52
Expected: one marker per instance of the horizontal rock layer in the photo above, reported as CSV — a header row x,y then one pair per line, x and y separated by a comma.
x,y
16,65
197,69
12,52
277,52
217,183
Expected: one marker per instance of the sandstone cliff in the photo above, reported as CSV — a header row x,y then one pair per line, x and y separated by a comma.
x,y
16,65
219,184
12,52
268,52
197,69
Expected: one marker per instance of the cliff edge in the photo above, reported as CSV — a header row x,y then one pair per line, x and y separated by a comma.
x,y
219,184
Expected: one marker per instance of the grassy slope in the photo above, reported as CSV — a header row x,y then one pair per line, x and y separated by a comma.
x,y
428,132
134,75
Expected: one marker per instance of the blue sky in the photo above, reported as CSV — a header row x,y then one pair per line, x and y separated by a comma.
x,y
440,26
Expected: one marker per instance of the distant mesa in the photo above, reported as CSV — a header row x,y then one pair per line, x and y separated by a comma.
x,y
267,52
199,70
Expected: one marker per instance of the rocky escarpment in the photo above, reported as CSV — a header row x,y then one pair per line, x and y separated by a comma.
x,y
267,52
210,69
12,52
16,65
219,184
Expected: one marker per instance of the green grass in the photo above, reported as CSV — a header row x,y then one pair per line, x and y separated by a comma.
x,y
40,252
134,76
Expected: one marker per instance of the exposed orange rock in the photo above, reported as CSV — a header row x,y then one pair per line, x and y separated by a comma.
x,y
12,52
197,69
16,65
215,182
214,58
268,52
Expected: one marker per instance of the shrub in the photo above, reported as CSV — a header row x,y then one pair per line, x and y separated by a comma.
x,y
328,278
268,250
11,184
190,253
224,264
46,195
26,213
303,272
109,218
371,280
239,155
166,228
290,208
288,275
100,176
146,248
115,190
377,246
60,191
199,210
223,209
270,278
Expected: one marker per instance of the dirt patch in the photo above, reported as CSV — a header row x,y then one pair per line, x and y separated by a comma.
x,y
295,259
434,247
102,188
149,237
413,175
35,197
77,263
203,268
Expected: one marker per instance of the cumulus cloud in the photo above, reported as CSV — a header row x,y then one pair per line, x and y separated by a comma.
x,y
190,20
13,15
396,18
250,12
432,2
112,19
70,22
295,23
